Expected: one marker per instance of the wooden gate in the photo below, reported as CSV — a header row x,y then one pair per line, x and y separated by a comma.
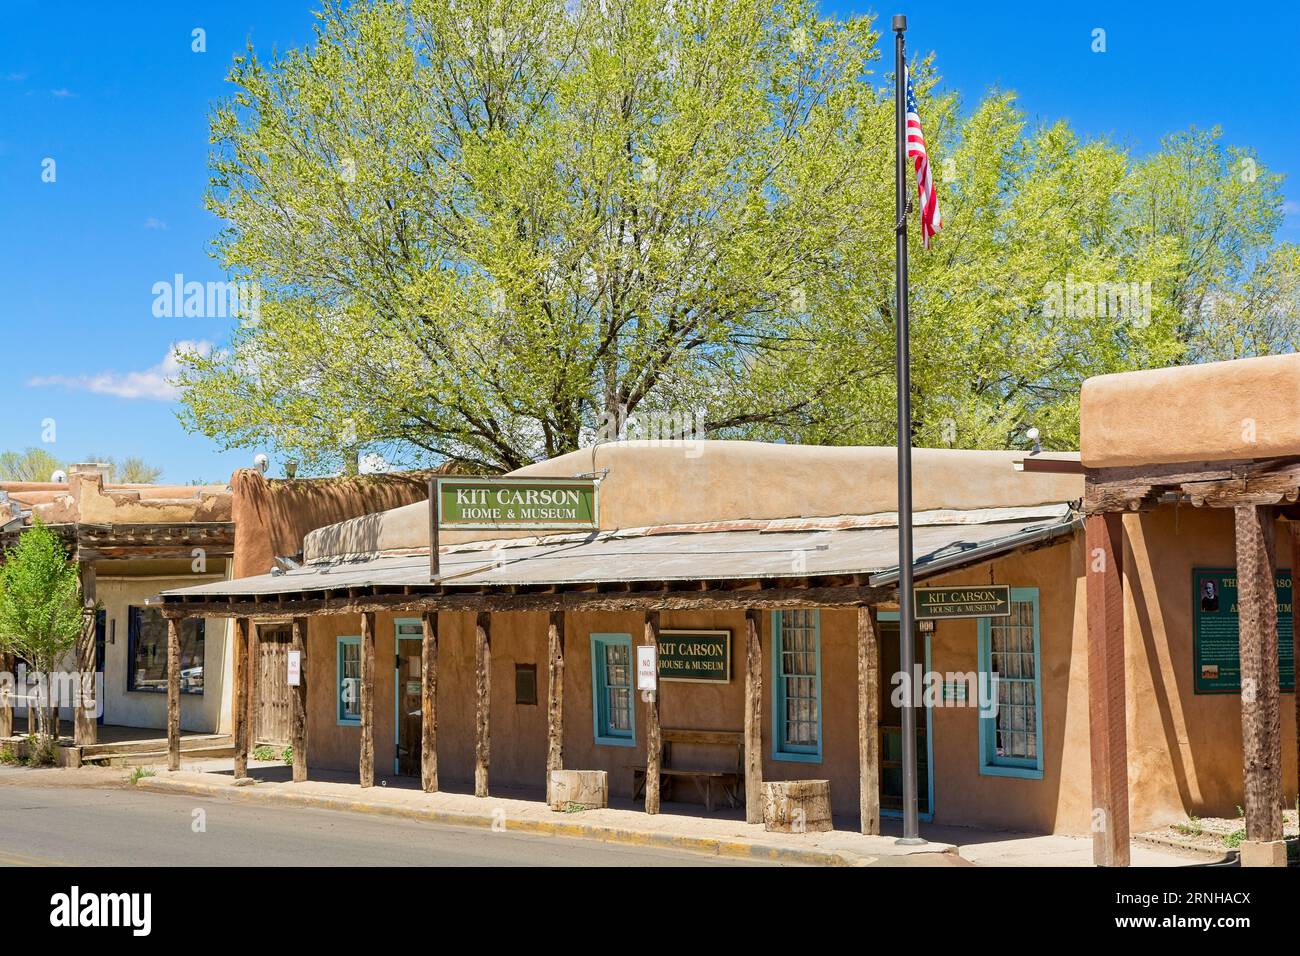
x,y
274,714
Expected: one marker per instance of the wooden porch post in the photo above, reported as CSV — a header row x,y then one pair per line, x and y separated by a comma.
x,y
1260,706
483,696
753,716
85,727
429,703
173,693
554,697
653,740
1104,583
7,692
298,738
367,768
240,678
868,722
1295,630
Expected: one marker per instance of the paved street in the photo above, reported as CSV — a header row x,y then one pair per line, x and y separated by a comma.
x,y
43,825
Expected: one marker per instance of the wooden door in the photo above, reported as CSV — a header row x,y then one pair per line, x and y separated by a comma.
x,y
274,705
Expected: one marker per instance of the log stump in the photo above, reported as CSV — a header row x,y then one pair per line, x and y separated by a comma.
x,y
579,789
797,806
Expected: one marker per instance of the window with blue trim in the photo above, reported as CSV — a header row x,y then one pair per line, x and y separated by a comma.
x,y
796,685
349,680
1011,738
611,689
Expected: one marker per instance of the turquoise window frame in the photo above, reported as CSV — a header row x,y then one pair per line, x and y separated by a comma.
x,y
991,765
601,730
339,644
781,749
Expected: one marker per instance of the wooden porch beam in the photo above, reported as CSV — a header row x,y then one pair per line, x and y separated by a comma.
x,y
653,734
1108,747
554,697
240,677
429,702
753,716
684,598
483,699
868,722
298,731
1261,729
173,695
367,761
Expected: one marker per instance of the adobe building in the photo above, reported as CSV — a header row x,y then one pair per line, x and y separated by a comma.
x,y
1136,616
130,540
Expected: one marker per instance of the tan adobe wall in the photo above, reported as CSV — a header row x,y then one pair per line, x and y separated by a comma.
x,y
1220,411
654,483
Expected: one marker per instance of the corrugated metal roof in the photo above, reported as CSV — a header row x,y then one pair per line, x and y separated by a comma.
x,y
660,556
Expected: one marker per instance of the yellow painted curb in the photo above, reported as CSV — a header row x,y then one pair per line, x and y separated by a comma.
x,y
610,834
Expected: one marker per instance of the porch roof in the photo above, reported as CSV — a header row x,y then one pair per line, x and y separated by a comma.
x,y
858,550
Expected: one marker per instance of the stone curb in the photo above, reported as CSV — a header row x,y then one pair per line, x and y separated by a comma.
x,y
738,849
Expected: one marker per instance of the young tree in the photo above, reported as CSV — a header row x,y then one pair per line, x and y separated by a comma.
x,y
34,464
41,611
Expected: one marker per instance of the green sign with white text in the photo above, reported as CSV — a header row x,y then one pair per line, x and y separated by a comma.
x,y
1216,631
491,504
699,656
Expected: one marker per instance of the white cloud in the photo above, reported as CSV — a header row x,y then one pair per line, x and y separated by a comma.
x,y
62,93
154,223
155,383
1291,208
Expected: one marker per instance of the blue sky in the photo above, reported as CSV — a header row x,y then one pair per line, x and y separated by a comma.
x,y
115,96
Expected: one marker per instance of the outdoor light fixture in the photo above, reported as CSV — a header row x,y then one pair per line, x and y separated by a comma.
x,y
261,462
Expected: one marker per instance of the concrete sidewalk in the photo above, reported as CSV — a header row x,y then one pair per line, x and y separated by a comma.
x,y
668,830
679,826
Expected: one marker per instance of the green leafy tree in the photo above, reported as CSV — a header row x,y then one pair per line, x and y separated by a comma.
x,y
41,612
485,232
34,464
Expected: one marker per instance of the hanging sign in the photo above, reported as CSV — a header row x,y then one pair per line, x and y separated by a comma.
x,y
1216,631
295,668
700,656
493,504
941,604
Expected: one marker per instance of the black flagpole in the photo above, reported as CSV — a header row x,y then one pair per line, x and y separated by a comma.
x,y
906,626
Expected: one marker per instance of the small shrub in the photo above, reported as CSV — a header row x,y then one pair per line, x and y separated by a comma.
x,y
264,753
1233,839
138,773
40,753
1192,827
9,756
572,807
287,755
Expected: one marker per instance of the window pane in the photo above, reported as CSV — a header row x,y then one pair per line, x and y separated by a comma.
x,y
147,636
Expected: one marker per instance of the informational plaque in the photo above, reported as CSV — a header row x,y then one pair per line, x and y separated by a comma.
x,y
940,604
1216,633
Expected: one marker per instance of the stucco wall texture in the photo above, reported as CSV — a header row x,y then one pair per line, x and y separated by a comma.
x,y
1219,411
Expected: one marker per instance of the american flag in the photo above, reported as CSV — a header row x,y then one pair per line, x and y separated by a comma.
x,y
931,221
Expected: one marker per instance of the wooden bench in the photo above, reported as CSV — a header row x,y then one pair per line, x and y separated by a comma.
x,y
729,782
